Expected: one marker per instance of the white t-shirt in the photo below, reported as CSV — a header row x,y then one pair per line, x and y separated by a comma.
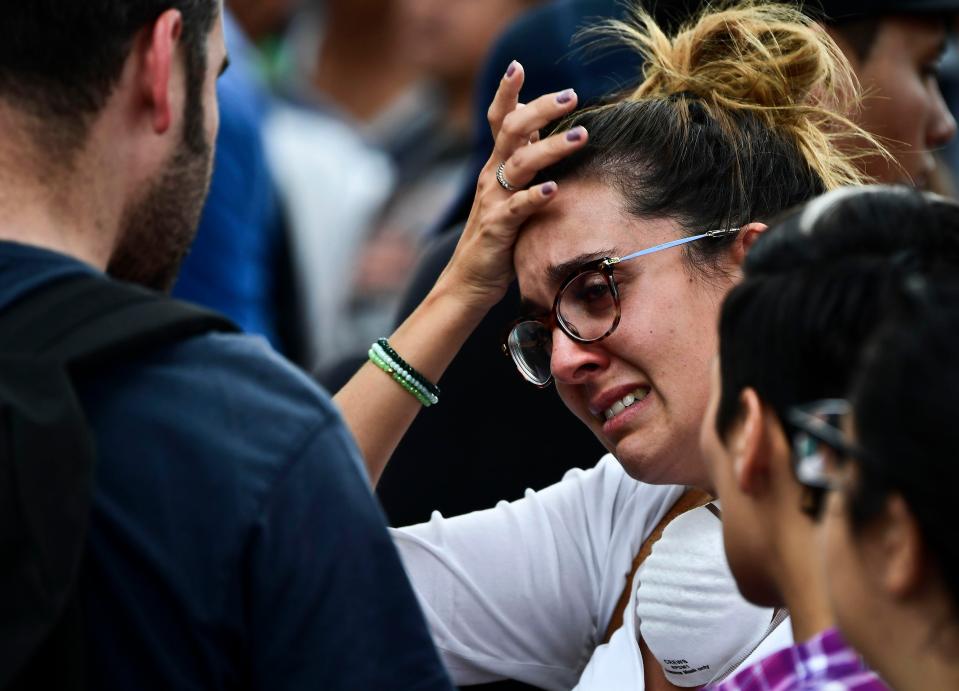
x,y
526,590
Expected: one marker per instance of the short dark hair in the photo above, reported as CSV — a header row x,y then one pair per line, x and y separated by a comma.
x,y
817,285
860,31
60,59
860,34
904,398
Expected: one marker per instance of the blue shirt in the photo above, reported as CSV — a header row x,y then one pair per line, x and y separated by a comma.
x,y
234,541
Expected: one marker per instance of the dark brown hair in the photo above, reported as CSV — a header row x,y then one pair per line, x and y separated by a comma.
x,y
60,59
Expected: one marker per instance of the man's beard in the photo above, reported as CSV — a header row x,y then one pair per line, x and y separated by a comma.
x,y
158,227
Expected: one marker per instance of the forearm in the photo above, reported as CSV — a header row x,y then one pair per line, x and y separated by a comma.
x,y
377,410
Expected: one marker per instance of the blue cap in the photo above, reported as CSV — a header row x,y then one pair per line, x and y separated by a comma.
x,y
854,9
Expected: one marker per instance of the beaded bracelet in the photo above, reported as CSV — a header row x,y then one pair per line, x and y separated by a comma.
x,y
387,359
375,359
377,349
403,364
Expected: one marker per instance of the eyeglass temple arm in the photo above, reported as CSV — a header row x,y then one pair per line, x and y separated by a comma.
x,y
715,233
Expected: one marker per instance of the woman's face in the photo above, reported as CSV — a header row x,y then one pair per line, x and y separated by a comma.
x,y
904,106
662,347
744,525
852,576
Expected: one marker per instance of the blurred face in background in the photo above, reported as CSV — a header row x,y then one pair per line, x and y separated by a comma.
x,y
449,39
262,18
903,104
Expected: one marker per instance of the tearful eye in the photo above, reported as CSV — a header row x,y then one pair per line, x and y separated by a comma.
x,y
593,292
587,307
590,293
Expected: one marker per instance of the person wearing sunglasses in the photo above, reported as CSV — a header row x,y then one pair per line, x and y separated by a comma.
x,y
625,230
776,436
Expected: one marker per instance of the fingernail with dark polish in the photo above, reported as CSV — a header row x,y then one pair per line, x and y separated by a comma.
x,y
511,70
565,96
575,134
548,189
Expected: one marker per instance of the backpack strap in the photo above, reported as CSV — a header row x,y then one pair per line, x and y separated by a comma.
x,y
89,320
691,499
47,338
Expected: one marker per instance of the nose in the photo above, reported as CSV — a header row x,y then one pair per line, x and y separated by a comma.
x,y
572,362
942,127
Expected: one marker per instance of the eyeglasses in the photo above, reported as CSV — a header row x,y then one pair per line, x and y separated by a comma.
x,y
820,449
586,309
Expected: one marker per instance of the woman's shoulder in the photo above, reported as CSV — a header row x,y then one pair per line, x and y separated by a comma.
x,y
608,485
614,510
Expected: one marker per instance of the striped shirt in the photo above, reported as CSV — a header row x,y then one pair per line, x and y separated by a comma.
x,y
823,663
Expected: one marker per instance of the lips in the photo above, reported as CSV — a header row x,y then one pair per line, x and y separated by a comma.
x,y
626,401
615,402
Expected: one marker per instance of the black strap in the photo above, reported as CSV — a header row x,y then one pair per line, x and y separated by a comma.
x,y
49,335
88,320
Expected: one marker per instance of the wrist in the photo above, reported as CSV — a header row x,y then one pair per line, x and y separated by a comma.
x,y
460,296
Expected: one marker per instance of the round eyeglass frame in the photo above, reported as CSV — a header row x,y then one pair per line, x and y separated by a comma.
x,y
604,267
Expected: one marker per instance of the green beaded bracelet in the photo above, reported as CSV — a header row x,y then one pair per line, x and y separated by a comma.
x,y
409,378
430,386
376,360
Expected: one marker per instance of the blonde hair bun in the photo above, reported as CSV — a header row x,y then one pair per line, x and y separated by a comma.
x,y
765,59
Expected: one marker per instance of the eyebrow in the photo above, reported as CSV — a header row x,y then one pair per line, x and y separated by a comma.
x,y
556,273
224,66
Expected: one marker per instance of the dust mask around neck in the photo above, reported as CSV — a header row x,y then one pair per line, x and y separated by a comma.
x,y
690,612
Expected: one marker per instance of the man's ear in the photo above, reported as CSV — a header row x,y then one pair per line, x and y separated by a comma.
x,y
747,236
159,61
902,549
749,444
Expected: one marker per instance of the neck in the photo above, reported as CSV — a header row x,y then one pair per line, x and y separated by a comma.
x,y
48,203
802,583
925,673
360,65
926,650
56,217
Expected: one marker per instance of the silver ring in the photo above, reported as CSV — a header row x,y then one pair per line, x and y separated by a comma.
x,y
501,179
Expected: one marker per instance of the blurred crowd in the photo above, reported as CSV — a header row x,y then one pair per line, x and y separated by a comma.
x,y
187,506
347,132
351,134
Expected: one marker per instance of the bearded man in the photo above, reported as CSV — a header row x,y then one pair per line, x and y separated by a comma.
x,y
233,541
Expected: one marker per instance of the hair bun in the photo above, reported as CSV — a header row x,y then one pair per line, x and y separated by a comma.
x,y
748,54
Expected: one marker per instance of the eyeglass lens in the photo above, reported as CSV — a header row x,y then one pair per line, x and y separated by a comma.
x,y
587,307
818,462
812,466
530,344
586,310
